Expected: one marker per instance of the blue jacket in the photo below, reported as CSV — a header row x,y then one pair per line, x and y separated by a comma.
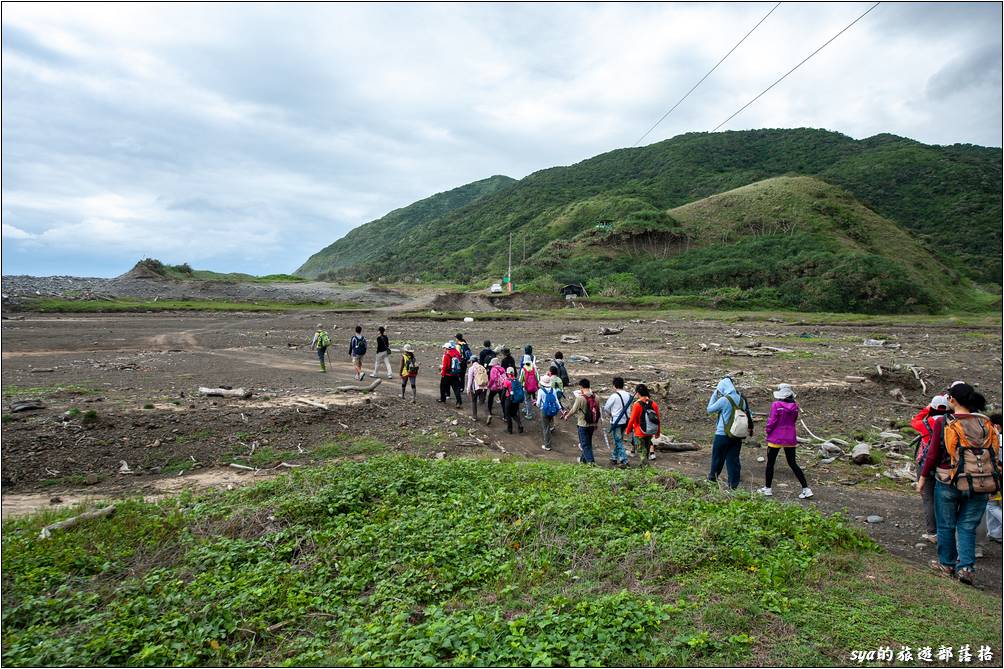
x,y
719,403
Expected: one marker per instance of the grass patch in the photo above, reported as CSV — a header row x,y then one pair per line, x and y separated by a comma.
x,y
343,447
10,391
404,561
57,305
198,435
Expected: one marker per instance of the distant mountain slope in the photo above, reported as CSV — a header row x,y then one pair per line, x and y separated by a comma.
x,y
367,242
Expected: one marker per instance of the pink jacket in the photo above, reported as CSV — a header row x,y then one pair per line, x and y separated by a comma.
x,y
780,426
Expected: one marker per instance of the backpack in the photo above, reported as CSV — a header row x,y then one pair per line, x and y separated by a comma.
x,y
480,377
455,364
410,364
741,425
562,372
550,407
974,462
495,378
649,422
592,409
530,380
358,345
516,394
465,351
323,340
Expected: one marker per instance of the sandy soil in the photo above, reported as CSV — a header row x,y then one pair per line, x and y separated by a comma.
x,y
116,365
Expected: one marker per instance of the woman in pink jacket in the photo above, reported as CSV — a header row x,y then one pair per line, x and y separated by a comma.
x,y
781,435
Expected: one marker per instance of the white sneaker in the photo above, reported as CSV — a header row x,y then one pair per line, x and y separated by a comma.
x,y
805,494
766,492
651,456
545,447
933,538
373,376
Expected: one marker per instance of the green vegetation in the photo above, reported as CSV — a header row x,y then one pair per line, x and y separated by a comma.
x,y
788,246
405,561
185,272
89,417
26,392
57,305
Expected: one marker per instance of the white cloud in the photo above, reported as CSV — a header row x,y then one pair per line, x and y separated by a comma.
x,y
14,232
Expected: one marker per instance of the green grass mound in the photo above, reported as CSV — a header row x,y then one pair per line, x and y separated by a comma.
x,y
402,561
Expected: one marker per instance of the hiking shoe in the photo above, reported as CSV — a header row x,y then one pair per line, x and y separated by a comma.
x,y
412,400
546,447
966,575
551,429
766,492
930,536
979,552
489,421
651,456
805,494
373,376
389,376
521,429
944,570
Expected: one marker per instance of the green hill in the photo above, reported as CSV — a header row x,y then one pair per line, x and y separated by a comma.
x,y
933,192
366,243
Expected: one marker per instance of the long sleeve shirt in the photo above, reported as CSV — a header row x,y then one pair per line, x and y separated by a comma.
x,y
634,422
937,455
615,407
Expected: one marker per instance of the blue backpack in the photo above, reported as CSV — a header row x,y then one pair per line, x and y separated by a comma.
x,y
550,407
516,394
455,365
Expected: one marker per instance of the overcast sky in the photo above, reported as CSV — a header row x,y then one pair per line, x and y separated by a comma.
x,y
246,137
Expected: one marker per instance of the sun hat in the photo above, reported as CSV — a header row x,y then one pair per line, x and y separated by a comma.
x,y
408,348
784,391
494,362
510,370
545,381
940,403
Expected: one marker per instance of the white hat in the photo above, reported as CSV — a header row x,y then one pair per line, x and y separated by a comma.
x,y
320,326
545,381
408,348
784,391
448,345
510,370
940,403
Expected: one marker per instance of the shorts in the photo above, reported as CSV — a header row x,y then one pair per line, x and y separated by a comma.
x,y
357,359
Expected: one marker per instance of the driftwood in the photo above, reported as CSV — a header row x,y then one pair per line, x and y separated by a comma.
x,y
225,392
70,522
312,403
664,443
26,406
809,431
568,339
358,389
916,375
243,467
745,352
609,331
42,370
862,454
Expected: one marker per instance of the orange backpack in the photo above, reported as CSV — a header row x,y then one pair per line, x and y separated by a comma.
x,y
971,441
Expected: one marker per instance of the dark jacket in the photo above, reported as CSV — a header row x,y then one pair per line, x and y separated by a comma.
x,y
485,356
383,343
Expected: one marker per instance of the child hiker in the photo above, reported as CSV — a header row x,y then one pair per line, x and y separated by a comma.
x,y
645,422
780,431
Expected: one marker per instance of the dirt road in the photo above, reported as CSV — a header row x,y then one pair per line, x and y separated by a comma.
x,y
139,376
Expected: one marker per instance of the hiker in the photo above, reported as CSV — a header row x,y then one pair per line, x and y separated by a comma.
x,y
465,354
528,377
993,515
780,432
514,396
409,370
964,457
557,383
528,357
476,385
922,423
559,362
507,360
616,410
586,410
732,427
450,373
547,402
496,387
382,353
645,422
321,341
357,349
486,354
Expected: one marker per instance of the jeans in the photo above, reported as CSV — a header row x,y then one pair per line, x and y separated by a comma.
x,y
927,495
725,453
958,515
382,356
321,351
586,443
789,456
994,520
618,455
546,423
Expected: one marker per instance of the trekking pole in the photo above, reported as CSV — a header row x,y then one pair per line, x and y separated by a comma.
x,y
606,440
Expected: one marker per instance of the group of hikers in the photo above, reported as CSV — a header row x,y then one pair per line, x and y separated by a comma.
x,y
958,455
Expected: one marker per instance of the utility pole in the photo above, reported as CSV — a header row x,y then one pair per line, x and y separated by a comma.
x,y
508,277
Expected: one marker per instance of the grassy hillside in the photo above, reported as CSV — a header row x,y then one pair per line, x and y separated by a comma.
x,y
184,272
927,190
411,562
367,243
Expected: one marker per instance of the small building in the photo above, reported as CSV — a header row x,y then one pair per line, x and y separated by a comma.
x,y
573,290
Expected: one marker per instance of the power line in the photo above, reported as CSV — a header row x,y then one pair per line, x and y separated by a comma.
x,y
706,75
797,66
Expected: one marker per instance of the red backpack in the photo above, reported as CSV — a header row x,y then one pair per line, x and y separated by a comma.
x,y
592,409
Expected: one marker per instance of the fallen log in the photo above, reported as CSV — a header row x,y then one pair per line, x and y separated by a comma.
x,y
235,465
312,403
70,522
916,375
225,392
358,389
26,406
609,331
675,446
861,454
568,339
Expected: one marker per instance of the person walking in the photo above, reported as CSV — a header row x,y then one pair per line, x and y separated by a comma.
x,y
465,354
781,435
450,379
963,455
547,402
320,343
382,353
528,357
557,384
616,411
513,398
357,349
507,360
726,401
496,388
923,424
531,384
586,410
559,362
409,370
476,385
993,515
645,422
486,354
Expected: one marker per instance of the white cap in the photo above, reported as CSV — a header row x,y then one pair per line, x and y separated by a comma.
x,y
940,402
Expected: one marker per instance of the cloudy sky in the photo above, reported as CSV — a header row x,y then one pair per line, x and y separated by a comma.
x,y
246,137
